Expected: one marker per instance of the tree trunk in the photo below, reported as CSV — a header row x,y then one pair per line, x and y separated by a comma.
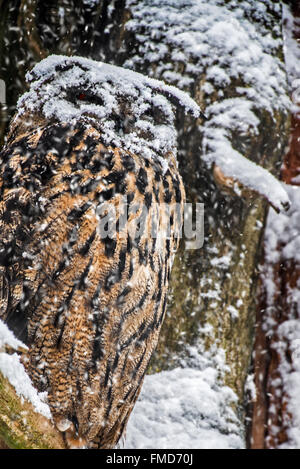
x,y
20,426
275,421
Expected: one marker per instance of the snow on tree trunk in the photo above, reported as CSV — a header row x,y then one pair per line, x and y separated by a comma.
x,y
276,415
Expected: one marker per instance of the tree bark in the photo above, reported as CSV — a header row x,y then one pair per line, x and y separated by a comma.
x,y
275,356
20,426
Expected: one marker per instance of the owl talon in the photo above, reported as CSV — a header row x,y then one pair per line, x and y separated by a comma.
x,y
73,440
63,424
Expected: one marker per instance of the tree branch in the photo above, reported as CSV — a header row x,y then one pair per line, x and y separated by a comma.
x,y
21,427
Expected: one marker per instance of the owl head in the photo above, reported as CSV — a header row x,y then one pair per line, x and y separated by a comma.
x,y
130,110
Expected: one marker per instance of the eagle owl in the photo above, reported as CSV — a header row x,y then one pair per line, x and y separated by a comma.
x,y
82,284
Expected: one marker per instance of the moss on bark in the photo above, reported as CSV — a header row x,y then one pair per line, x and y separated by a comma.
x,y
20,426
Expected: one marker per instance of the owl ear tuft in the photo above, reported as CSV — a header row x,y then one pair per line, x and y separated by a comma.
x,y
179,101
177,97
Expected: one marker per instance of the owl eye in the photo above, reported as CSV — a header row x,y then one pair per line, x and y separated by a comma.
x,y
89,97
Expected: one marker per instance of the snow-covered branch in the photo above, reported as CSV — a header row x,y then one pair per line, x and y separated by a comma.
x,y
25,420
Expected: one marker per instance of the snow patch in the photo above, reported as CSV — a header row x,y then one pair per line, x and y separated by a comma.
x,y
186,407
14,371
292,53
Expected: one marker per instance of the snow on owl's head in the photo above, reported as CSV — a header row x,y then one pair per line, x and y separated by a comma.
x,y
131,110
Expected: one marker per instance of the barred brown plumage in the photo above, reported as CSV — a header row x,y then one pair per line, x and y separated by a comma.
x,y
88,306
